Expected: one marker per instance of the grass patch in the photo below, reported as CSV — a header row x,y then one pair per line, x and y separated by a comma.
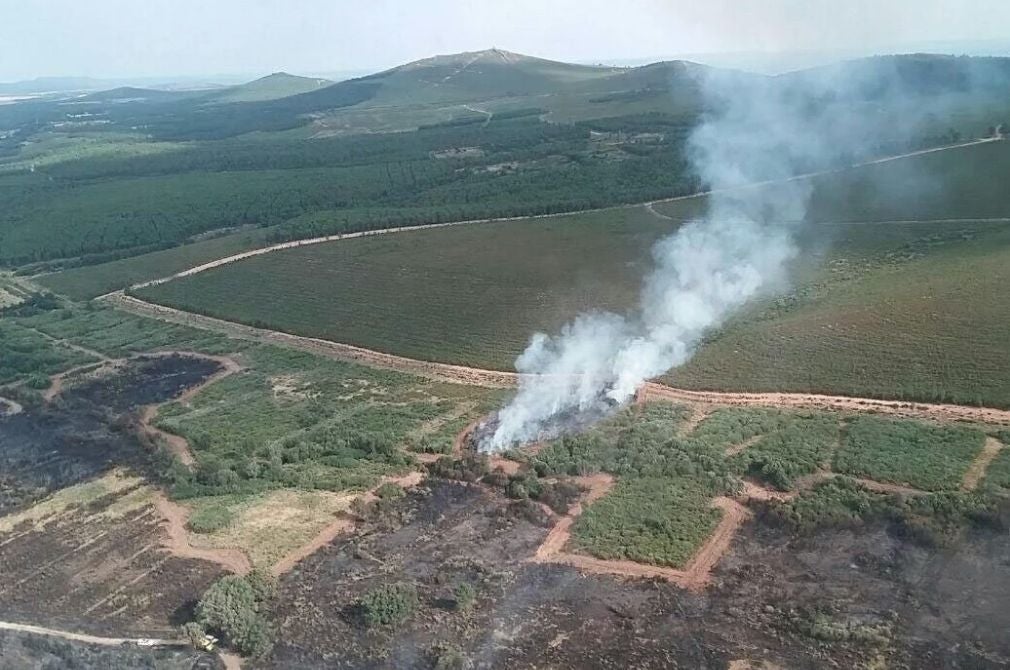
x,y
117,333
27,356
210,519
344,428
925,456
661,521
800,447
268,526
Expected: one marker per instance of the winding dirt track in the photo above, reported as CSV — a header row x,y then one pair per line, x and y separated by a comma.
x,y
981,464
695,576
459,374
91,639
650,206
177,539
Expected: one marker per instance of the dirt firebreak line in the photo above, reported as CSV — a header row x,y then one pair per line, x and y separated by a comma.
x,y
459,374
649,206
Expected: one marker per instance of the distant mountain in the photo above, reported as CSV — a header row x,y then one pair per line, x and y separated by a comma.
x,y
271,87
906,75
41,85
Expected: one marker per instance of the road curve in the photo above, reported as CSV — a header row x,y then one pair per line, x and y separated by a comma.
x,y
92,639
650,206
459,374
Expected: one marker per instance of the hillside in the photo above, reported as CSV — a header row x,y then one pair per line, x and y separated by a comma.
x,y
270,87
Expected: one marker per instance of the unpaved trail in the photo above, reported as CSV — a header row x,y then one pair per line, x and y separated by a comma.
x,y
177,445
734,449
809,481
649,205
342,524
977,469
92,639
695,576
456,374
459,374
940,412
177,539
10,407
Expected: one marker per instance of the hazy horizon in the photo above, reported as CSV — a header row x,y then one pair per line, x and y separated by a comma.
x,y
116,39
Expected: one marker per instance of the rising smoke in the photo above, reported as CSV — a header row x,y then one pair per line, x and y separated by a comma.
x,y
755,130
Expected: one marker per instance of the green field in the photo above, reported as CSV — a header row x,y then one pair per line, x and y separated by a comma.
x,y
471,294
898,310
932,458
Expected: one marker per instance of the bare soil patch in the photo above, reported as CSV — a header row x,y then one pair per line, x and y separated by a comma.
x,y
981,463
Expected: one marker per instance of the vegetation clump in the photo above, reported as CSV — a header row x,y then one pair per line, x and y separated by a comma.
x,y
925,456
234,609
388,604
210,519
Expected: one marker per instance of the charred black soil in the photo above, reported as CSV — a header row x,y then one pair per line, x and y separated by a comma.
x,y
28,651
96,565
87,430
836,599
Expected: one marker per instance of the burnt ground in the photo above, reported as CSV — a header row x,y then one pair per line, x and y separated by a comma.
x,y
85,433
86,569
27,651
84,572
835,599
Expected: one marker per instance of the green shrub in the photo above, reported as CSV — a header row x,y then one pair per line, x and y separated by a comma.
x,y
234,608
210,519
37,381
388,604
449,657
464,596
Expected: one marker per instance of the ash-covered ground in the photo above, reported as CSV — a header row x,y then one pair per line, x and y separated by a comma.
x,y
87,429
835,599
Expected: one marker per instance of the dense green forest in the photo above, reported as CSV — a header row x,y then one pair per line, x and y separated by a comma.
x,y
109,205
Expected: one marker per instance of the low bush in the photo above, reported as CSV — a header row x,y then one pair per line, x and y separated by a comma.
x,y
388,604
210,519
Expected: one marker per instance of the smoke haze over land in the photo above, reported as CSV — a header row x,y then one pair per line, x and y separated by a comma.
x,y
755,131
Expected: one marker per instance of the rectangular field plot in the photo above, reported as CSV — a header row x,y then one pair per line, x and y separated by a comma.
x,y
660,521
932,458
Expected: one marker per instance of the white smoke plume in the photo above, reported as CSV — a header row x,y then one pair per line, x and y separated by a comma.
x,y
703,273
755,130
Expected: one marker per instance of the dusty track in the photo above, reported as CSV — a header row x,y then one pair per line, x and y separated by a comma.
x,y
457,374
695,576
939,412
91,639
981,464
498,379
10,407
650,206
343,524
177,539
176,444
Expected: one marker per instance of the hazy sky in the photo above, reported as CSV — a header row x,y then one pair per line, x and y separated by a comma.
x,y
129,38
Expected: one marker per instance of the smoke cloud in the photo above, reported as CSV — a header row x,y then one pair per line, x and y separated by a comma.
x,y
755,130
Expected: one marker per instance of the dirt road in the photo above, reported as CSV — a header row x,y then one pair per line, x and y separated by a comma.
x,y
695,576
177,445
934,411
10,407
177,539
459,374
650,206
91,639
981,464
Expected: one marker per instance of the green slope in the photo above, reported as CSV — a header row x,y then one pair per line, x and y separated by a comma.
x,y
271,87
